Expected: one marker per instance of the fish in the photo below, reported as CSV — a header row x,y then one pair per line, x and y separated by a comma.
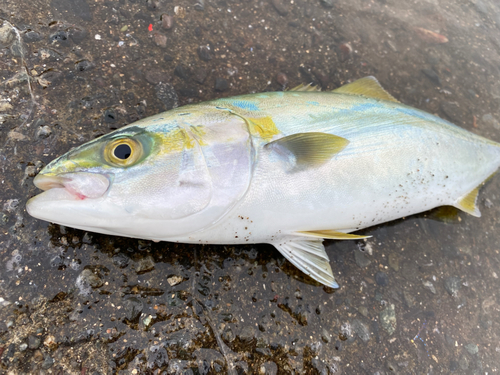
x,y
289,168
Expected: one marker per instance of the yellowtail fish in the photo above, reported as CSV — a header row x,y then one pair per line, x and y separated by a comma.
x,y
285,168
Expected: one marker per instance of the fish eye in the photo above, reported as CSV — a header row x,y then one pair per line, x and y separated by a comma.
x,y
123,152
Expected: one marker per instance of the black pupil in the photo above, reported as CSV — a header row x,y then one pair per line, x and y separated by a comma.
x,y
122,152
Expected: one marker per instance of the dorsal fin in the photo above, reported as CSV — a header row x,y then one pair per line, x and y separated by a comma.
x,y
308,149
369,87
308,87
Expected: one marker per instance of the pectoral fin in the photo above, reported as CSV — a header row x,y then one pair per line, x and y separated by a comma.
x,y
332,234
309,148
369,87
309,256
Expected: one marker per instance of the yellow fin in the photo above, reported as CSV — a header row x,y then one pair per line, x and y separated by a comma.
x,y
308,87
309,148
332,234
369,87
468,203
445,214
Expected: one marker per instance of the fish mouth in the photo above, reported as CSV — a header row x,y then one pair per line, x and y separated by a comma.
x,y
71,198
74,186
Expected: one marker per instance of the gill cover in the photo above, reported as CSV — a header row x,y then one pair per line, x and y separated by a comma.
x,y
200,166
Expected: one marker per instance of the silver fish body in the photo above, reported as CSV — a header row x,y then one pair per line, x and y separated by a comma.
x,y
286,168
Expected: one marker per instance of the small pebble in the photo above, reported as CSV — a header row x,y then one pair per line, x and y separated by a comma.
x,y
157,356
381,278
361,330
145,264
473,349
361,259
200,75
320,366
388,319
174,280
345,51
110,116
32,36
38,356
50,342
394,261
282,79
268,368
90,278
328,3
167,21
427,284
247,334
463,362
181,72
160,39
408,298
47,362
77,35
152,4
180,11
155,76
228,334
280,6
432,75
363,311
325,336
59,37
167,95
199,5
84,65
34,342
133,308
204,53
452,285
30,171
120,260
221,84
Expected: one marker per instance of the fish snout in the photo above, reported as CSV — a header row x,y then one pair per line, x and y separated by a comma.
x,y
81,184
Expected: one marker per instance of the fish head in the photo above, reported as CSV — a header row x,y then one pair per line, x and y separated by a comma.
x,y
160,178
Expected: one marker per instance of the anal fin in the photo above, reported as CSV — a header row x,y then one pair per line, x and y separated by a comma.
x,y
309,256
332,234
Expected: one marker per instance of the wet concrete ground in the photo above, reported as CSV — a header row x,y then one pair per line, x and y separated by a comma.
x,y
420,296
